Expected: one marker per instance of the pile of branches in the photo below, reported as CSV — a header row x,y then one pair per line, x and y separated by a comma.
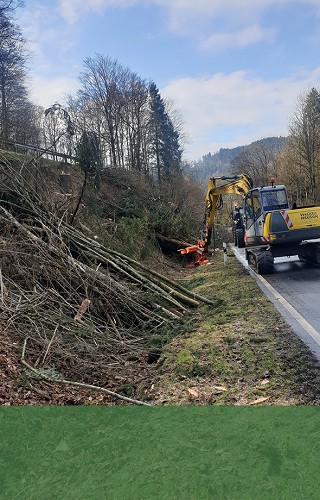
x,y
76,304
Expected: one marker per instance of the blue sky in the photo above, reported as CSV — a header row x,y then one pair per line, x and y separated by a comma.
x,y
233,68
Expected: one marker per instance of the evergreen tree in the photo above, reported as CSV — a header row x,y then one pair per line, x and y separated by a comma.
x,y
90,161
89,156
164,140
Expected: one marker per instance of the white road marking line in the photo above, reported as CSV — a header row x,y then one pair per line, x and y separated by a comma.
x,y
297,316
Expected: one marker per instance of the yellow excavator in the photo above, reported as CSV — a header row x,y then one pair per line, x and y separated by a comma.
x,y
264,225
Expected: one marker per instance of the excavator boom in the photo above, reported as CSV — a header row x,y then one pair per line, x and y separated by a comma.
x,y
238,184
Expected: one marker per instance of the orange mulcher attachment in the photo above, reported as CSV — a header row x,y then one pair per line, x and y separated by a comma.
x,y
200,257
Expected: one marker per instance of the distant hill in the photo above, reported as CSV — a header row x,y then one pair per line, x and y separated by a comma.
x,y
220,162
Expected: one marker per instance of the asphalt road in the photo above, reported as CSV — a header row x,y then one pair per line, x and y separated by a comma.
x,y
294,288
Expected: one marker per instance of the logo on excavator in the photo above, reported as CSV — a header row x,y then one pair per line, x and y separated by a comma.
x,y
309,215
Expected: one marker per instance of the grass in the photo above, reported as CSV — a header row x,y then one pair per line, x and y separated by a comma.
x,y
238,352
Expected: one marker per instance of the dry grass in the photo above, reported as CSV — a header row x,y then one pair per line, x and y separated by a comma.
x,y
242,353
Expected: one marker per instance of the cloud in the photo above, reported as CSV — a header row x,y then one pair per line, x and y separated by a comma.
x,y
214,24
43,29
45,91
180,12
50,44
239,38
73,9
189,11
223,24
237,105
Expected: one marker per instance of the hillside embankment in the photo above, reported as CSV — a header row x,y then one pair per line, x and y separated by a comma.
x,y
75,312
240,352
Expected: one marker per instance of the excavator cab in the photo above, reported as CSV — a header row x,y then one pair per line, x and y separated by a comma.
x,y
237,222
274,198
257,203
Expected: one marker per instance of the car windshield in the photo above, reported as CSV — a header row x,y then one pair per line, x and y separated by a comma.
x,y
275,199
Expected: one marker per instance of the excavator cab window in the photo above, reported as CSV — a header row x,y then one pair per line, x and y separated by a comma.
x,y
256,204
274,199
253,207
248,210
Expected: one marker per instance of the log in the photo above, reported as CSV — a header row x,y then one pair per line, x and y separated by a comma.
x,y
170,245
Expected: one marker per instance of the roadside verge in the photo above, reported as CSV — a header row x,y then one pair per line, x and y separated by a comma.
x,y
305,331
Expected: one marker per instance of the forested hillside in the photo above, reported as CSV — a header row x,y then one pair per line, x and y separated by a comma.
x,y
227,160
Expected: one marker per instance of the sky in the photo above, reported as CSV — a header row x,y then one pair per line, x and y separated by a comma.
x,y
234,69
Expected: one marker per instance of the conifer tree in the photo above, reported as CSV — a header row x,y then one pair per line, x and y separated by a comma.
x,y
164,140
90,161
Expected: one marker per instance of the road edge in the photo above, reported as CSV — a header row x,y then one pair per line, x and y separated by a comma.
x,y
302,328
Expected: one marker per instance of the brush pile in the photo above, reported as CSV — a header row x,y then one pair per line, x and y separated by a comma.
x,y
85,309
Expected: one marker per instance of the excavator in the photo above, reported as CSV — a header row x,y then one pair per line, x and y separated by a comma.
x,y
264,225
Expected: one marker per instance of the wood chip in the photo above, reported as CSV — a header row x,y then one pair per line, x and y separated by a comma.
x,y
221,388
193,393
265,381
259,401
82,309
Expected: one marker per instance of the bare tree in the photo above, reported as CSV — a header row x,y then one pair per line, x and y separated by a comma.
x,y
103,83
136,122
290,173
257,161
305,139
13,90
58,128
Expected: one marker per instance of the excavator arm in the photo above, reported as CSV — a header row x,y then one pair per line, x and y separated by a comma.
x,y
238,184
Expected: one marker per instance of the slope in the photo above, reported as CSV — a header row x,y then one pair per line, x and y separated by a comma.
x,y
237,350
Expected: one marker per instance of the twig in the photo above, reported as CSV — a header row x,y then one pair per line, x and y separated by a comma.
x,y
77,384
49,345
1,287
38,391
